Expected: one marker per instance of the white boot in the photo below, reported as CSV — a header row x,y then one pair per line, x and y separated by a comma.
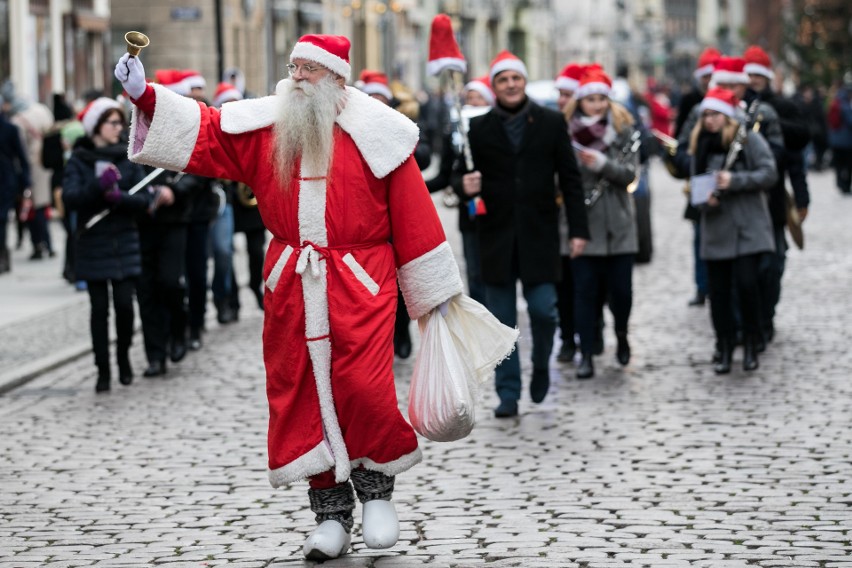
x,y
329,540
379,524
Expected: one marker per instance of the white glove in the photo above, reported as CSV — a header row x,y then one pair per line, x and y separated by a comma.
x,y
444,307
131,74
600,161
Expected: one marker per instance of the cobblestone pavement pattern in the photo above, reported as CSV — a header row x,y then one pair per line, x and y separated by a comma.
x,y
662,464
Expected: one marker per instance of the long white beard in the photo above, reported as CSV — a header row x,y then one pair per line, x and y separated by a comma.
x,y
305,128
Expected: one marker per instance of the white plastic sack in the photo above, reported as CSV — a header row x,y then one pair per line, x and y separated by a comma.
x,y
440,404
458,352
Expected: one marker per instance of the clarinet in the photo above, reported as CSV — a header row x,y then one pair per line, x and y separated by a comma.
x,y
740,137
627,152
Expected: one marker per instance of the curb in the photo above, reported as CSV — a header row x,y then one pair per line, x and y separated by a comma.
x,y
25,373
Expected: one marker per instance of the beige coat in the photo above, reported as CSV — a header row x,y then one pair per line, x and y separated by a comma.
x,y
34,122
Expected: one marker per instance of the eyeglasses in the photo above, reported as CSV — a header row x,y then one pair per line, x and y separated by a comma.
x,y
305,69
115,122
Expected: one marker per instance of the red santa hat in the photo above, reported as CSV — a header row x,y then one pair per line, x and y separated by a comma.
x,y
172,79
593,82
444,52
506,61
375,83
729,71
569,78
93,112
720,100
330,51
226,92
193,79
482,86
757,62
706,62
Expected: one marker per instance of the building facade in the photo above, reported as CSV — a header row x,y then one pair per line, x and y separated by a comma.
x,y
55,46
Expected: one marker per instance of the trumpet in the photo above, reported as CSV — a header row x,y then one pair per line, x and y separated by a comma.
x,y
136,42
667,141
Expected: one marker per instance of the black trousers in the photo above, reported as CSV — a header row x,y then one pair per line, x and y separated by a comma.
x,y
197,254
255,242
565,302
162,287
592,274
723,277
122,300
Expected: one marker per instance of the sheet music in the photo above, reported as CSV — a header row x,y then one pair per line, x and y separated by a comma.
x,y
701,187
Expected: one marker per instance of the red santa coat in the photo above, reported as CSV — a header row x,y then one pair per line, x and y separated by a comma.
x,y
331,270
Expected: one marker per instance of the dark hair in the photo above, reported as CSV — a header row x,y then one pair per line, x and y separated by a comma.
x,y
105,116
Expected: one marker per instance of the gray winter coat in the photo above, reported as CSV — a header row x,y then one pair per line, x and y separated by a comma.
x,y
612,217
741,224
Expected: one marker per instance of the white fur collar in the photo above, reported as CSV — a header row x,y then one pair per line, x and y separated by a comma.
x,y
385,137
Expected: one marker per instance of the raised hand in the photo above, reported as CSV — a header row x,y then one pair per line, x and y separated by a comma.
x,y
131,74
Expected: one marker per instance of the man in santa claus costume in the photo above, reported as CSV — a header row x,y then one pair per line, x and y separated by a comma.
x,y
336,184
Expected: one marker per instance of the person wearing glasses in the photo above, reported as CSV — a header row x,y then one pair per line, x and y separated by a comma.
x,y
339,189
98,176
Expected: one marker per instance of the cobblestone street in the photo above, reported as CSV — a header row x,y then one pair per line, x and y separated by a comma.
x,y
660,464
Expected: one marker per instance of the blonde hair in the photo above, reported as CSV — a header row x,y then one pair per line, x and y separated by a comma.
x,y
621,117
729,130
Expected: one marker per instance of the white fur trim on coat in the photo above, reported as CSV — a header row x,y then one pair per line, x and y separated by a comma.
x,y
397,466
385,137
429,279
168,140
361,274
314,462
278,268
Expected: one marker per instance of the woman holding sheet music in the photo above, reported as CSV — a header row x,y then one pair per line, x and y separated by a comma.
x,y
602,134
98,176
735,222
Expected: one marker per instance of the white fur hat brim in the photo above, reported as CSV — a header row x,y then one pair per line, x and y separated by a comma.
x,y
377,89
311,52
96,111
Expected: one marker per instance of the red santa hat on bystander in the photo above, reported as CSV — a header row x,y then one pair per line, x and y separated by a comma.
x,y
593,82
482,86
226,92
720,100
93,112
569,78
375,83
729,71
706,62
506,61
330,51
172,79
757,62
444,52
193,79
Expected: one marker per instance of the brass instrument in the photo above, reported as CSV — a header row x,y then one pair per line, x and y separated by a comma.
x,y
136,42
628,152
246,196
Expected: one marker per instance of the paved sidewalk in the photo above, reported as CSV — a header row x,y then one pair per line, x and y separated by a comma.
x,y
660,464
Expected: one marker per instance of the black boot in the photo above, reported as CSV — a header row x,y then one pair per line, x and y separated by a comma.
x,y
726,351
224,312
623,351
567,351
103,380
125,372
539,384
5,261
586,370
155,368
750,350
402,342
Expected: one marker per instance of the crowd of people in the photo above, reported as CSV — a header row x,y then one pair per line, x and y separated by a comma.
x,y
152,187
125,238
